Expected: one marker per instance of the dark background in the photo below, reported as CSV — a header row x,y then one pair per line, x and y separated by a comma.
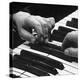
x,y
45,10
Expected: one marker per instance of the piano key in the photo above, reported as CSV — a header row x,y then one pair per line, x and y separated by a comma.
x,y
23,46
30,74
75,63
56,43
17,70
63,72
41,65
63,29
75,20
70,69
24,75
53,52
53,46
60,34
22,72
16,51
64,25
46,45
37,52
20,75
63,61
29,68
14,76
57,37
31,50
44,59
73,23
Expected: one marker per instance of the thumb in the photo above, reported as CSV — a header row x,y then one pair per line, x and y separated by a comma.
x,y
71,52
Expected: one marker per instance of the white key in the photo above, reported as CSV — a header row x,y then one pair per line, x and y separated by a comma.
x,y
61,24
70,69
63,72
16,73
63,61
16,51
55,43
24,76
22,46
75,63
29,74
51,74
33,51
17,70
68,66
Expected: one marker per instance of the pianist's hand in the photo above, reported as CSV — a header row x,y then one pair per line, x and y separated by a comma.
x,y
70,44
26,22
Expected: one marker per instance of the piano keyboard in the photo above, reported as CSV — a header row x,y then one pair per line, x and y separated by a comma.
x,y
30,60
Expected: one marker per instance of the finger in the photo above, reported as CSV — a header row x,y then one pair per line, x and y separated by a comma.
x,y
44,25
36,25
71,52
50,21
19,17
27,36
71,40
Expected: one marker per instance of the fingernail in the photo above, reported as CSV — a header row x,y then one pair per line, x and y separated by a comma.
x,y
66,52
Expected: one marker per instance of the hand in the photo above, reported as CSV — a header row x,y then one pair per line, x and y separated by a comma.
x,y
70,44
26,22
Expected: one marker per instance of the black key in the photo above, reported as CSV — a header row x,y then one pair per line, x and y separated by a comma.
x,y
73,23
29,68
58,35
52,46
69,23
14,76
75,20
57,32
44,59
64,29
54,52
38,64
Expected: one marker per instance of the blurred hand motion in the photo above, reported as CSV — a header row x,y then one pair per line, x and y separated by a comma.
x,y
26,23
70,44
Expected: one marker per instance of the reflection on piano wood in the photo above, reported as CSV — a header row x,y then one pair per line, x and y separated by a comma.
x,y
46,59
